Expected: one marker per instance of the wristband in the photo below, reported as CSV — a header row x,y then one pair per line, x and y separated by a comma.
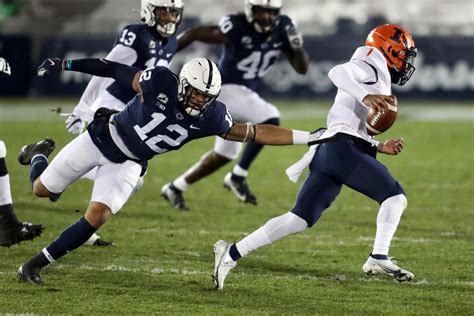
x,y
300,137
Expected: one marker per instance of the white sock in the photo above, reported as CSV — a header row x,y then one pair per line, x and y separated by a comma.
x,y
180,183
387,222
5,193
273,230
3,149
239,171
91,240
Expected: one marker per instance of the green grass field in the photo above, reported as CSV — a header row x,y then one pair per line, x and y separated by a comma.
x,y
163,258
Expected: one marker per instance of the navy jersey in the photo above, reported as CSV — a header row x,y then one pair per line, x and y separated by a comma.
x,y
250,54
152,50
157,123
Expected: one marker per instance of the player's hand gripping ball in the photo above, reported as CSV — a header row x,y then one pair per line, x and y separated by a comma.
x,y
378,122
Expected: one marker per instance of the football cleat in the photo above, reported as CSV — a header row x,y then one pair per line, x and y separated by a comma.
x,y
239,186
175,196
55,197
386,266
20,232
43,147
30,275
97,241
223,263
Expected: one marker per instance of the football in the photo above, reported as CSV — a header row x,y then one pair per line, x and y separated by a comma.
x,y
379,122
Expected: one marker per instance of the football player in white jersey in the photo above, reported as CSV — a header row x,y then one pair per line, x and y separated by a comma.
x,y
346,155
142,45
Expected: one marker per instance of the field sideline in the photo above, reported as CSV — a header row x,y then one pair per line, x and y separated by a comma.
x,y
163,258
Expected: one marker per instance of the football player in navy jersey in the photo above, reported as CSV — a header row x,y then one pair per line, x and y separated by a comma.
x,y
141,45
252,43
167,112
12,231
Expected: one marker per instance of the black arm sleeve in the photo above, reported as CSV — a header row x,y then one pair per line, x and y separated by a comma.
x,y
123,74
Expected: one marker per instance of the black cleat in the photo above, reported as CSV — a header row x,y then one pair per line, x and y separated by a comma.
x,y
175,196
55,197
239,186
20,232
99,242
27,274
43,147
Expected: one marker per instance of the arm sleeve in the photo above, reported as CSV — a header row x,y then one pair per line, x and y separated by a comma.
x,y
122,54
349,77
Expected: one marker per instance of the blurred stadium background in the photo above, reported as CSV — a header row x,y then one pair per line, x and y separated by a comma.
x,y
163,258
31,30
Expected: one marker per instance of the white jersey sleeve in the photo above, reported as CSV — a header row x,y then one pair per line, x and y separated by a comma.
x,y
366,73
97,85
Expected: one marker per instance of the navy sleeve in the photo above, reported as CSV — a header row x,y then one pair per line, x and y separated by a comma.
x,y
154,80
228,25
218,119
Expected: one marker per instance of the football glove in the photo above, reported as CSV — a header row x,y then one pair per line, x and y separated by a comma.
x,y
5,67
50,66
74,124
295,38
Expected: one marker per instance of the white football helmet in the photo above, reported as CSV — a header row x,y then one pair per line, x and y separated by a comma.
x,y
266,4
198,77
149,17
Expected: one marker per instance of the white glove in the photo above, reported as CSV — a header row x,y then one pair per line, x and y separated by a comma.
x,y
5,67
74,124
295,38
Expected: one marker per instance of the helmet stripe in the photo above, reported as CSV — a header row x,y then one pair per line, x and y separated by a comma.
x,y
211,70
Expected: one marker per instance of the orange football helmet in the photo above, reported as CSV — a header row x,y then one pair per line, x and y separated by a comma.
x,y
398,47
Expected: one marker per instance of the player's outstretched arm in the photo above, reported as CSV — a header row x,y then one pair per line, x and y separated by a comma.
x,y
266,134
123,74
206,34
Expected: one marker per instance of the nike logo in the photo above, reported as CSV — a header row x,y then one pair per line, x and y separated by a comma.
x,y
276,45
194,127
169,55
51,62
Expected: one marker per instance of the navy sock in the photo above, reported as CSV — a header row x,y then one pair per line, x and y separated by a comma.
x,y
3,167
7,216
234,253
253,149
38,164
379,257
71,238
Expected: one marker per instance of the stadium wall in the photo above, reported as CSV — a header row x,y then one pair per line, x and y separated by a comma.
x,y
444,66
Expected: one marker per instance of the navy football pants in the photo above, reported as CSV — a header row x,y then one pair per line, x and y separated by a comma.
x,y
343,160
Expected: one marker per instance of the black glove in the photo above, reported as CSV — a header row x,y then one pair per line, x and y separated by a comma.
x,y
50,66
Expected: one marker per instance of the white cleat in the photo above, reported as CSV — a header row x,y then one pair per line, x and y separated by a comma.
x,y
387,266
223,263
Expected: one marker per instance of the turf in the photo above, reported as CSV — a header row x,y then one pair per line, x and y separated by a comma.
x,y
163,258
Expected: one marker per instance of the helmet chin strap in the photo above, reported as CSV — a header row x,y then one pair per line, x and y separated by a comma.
x,y
192,112
167,29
